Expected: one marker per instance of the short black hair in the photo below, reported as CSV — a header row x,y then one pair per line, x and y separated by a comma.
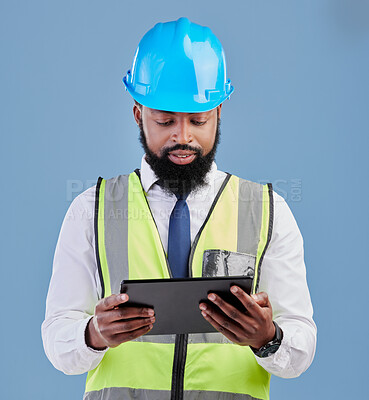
x,y
139,105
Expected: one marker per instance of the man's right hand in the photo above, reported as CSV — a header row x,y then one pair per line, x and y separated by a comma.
x,y
112,324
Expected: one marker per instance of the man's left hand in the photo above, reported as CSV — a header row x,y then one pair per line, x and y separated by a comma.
x,y
251,328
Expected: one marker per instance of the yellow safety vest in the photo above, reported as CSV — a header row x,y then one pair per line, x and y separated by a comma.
x,y
128,246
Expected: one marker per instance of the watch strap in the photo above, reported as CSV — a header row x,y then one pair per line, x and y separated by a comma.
x,y
272,346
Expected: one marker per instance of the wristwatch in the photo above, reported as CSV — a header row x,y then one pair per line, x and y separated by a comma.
x,y
272,346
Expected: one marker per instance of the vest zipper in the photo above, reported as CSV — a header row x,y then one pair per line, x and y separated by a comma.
x,y
180,348
179,362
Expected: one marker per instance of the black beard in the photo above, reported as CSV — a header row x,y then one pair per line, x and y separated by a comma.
x,y
180,179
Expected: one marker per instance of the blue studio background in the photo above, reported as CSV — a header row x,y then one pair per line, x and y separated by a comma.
x,y
298,118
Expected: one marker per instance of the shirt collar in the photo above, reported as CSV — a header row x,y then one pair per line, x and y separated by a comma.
x,y
148,177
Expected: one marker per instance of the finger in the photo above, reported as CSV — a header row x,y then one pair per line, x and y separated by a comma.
x,y
222,320
109,331
229,310
127,336
261,299
120,313
108,303
248,302
131,325
228,334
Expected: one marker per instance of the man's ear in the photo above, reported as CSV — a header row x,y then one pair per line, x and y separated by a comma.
x,y
219,109
137,113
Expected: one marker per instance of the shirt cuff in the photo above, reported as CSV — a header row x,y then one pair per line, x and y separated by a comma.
x,y
85,350
279,362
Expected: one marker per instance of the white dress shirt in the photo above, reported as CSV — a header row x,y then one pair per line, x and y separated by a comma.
x,y
75,284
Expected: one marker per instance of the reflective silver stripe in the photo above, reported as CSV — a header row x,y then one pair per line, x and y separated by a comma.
x,y
208,395
116,229
212,337
145,394
168,339
250,210
193,338
127,394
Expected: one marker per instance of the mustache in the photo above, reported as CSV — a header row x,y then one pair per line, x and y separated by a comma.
x,y
165,152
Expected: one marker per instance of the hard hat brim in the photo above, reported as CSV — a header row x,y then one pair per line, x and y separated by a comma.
x,y
175,104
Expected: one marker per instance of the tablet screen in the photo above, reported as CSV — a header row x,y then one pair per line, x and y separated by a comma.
x,y
176,301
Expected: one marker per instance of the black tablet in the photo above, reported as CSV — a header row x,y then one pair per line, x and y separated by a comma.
x,y
176,301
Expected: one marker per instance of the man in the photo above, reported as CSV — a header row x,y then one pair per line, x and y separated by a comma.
x,y
179,216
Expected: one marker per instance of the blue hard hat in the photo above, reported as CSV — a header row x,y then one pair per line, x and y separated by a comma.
x,y
179,66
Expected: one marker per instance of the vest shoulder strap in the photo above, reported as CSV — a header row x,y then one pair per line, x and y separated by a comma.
x,y
255,212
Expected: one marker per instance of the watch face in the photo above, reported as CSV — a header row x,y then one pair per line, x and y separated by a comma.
x,y
270,350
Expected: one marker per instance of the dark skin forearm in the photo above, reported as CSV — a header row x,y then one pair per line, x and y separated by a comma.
x,y
252,328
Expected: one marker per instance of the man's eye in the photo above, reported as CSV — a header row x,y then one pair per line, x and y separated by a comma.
x,y
166,123
198,123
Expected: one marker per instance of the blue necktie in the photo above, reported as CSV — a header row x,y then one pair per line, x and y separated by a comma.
x,y
179,238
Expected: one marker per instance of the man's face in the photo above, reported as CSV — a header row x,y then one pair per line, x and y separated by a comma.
x,y
166,129
180,147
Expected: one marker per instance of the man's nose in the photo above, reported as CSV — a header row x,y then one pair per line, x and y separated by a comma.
x,y
182,133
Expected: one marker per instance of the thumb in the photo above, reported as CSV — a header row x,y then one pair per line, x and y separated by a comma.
x,y
261,299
